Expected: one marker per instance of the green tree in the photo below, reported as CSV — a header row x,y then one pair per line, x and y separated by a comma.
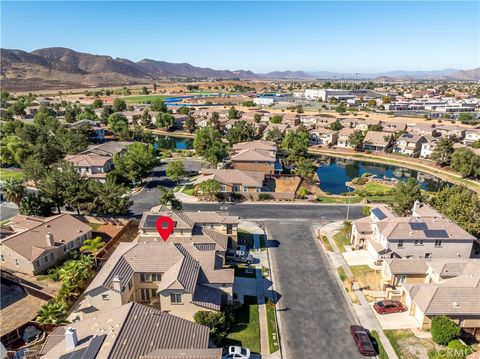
x,y
341,108
136,162
144,90
87,114
14,151
52,187
184,110
214,121
119,105
444,330
305,168
190,124
241,131
14,190
208,143
218,323
118,123
93,246
295,143
466,162
386,99
158,104
355,139
336,126
372,103
34,205
167,198
146,120
97,103
210,188
176,171
275,135
461,205
76,191
257,118
233,113
467,118
442,153
110,198
366,210
404,196
106,112
276,119
165,120
375,127
18,108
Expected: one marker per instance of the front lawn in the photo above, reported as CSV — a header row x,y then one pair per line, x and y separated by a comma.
x,y
379,347
273,340
189,190
6,174
342,240
246,329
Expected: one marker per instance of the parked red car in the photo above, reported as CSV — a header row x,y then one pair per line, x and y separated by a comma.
x,y
389,306
362,339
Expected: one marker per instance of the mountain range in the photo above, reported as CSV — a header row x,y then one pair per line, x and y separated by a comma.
x,y
62,68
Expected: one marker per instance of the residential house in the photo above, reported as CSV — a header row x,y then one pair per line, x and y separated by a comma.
x,y
389,126
428,147
451,132
343,135
258,156
180,279
377,141
91,165
471,136
323,136
356,123
38,244
234,180
133,116
409,144
452,289
133,331
426,234
421,129
207,228
109,148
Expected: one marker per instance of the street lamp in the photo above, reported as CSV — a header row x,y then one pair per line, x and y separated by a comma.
x,y
349,199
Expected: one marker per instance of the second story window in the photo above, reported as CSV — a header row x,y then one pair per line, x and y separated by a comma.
x,y
150,277
400,244
175,298
438,243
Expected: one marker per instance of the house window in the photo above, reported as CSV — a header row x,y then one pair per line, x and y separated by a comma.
x,y
428,255
104,296
418,242
400,244
16,263
438,243
245,189
236,188
130,285
150,277
258,189
175,298
223,189
145,294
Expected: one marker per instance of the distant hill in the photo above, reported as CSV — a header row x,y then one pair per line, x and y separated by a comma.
x,y
62,68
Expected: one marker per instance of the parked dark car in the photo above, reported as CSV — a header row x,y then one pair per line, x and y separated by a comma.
x,y
362,340
389,306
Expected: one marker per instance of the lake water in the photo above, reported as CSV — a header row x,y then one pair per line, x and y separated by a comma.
x,y
173,143
334,172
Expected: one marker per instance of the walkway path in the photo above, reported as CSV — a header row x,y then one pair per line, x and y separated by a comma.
x,y
363,310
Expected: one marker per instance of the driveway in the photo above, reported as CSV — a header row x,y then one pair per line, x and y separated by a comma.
x,y
358,258
316,321
396,320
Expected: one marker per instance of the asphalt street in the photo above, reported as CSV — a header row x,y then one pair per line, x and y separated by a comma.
x,y
317,320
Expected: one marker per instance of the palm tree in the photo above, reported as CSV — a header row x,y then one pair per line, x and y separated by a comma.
x,y
54,312
93,246
14,190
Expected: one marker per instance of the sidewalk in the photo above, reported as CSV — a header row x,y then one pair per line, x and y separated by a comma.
x,y
364,312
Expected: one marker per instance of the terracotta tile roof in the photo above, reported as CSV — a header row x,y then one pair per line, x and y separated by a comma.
x,y
32,243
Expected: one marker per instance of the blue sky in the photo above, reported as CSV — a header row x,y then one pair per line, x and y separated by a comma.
x,y
339,36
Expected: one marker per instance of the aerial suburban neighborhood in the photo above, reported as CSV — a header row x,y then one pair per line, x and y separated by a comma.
x,y
313,205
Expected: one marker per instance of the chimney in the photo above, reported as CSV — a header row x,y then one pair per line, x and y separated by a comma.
x,y
117,284
71,339
50,240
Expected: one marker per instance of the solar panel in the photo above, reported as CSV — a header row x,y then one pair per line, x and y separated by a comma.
x,y
436,233
378,213
418,226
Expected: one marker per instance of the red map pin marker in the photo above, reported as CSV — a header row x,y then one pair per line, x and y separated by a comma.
x,y
164,227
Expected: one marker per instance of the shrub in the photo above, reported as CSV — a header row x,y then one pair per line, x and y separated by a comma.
x,y
458,349
366,210
264,196
303,192
444,330
218,323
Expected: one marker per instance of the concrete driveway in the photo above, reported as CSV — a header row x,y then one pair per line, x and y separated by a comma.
x,y
316,320
358,258
396,320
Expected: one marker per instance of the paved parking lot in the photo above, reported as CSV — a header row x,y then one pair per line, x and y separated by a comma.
x,y
316,322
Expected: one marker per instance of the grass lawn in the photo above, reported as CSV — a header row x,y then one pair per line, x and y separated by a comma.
x,y
272,328
143,98
342,240
94,226
375,189
366,277
326,242
246,329
379,347
189,189
6,174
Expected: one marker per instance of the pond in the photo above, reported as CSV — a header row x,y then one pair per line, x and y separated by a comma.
x,y
334,172
173,143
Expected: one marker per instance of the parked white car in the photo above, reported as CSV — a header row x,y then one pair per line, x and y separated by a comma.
x,y
236,352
